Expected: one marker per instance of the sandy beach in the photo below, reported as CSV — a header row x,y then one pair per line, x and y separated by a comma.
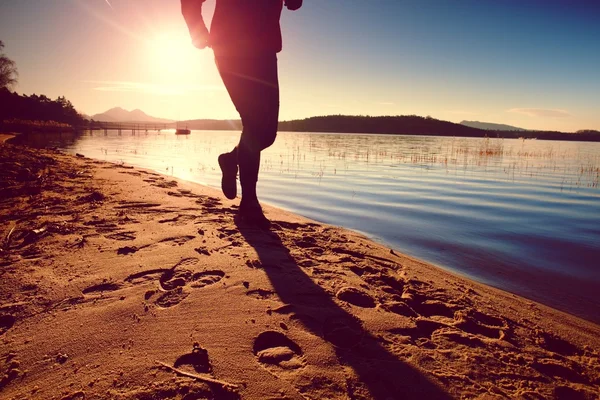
x,y
120,283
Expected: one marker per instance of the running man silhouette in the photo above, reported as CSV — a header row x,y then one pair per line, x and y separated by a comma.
x,y
245,36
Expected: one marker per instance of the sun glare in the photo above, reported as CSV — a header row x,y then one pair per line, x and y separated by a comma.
x,y
172,55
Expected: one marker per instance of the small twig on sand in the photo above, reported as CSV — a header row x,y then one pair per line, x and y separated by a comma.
x,y
206,379
7,239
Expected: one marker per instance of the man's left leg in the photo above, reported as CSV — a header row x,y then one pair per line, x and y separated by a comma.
x,y
253,85
249,164
260,131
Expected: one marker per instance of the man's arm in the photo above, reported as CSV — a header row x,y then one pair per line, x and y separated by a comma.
x,y
293,4
192,13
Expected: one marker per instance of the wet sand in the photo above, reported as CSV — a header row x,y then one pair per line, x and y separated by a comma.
x,y
120,283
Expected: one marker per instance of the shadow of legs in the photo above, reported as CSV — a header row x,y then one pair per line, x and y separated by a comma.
x,y
380,373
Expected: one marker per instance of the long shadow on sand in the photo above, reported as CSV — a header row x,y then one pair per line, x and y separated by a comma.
x,y
381,375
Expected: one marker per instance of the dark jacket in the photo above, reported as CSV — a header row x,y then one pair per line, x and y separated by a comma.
x,y
239,27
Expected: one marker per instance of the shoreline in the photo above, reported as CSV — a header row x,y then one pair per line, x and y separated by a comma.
x,y
551,285
111,268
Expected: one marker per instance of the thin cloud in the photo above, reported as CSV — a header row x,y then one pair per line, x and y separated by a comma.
x,y
386,103
151,88
110,5
540,112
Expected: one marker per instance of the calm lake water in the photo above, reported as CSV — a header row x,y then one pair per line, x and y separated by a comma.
x,y
520,215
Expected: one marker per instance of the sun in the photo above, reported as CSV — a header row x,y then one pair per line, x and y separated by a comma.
x,y
176,73
172,55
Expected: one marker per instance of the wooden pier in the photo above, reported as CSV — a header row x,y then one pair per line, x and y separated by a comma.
x,y
127,126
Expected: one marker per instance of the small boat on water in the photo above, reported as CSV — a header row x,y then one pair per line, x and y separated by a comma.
x,y
182,131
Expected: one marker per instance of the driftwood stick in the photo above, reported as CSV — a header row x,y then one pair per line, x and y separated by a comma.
x,y
201,378
7,239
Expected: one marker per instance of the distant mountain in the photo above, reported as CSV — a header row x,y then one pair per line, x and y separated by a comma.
x,y
118,114
489,126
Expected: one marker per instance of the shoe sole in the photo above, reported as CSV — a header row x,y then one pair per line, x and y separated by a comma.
x,y
228,183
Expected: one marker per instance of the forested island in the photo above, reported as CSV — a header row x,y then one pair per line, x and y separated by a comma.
x,y
21,113
400,125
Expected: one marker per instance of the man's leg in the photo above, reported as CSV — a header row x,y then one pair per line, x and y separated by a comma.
x,y
229,169
254,89
228,162
249,163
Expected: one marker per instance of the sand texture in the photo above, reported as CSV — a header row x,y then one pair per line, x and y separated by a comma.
x,y
120,283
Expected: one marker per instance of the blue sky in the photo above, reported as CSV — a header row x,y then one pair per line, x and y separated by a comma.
x,y
527,63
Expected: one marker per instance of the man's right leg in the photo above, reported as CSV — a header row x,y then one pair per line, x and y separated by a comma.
x,y
228,162
248,159
249,162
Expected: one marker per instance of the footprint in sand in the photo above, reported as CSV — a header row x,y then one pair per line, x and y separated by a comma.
x,y
477,323
554,344
198,359
469,328
274,349
6,322
202,279
423,328
173,279
172,282
356,297
145,276
171,298
410,298
400,308
431,308
177,276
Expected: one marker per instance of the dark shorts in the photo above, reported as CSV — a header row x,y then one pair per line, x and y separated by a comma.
x,y
253,85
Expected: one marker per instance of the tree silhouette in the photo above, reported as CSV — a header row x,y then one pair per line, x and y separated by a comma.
x,y
8,70
40,108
